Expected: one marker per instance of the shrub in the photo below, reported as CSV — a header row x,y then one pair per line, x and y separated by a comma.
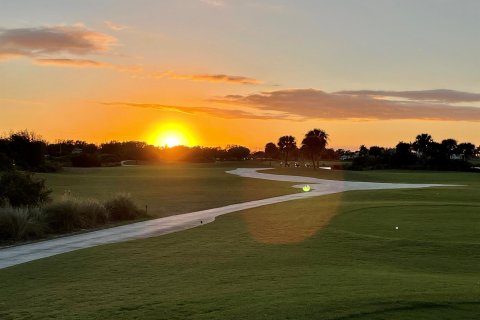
x,y
21,190
50,166
122,207
70,214
86,160
91,213
5,162
20,224
62,216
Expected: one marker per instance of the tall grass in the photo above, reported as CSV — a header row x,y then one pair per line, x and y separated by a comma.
x,y
122,207
70,214
66,215
17,224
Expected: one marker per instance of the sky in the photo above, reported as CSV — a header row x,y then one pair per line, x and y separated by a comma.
x,y
218,72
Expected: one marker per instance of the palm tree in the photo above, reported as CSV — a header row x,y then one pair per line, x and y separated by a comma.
x,y
316,141
287,144
422,144
449,146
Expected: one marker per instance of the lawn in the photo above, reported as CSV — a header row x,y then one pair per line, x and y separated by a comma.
x,y
333,257
166,189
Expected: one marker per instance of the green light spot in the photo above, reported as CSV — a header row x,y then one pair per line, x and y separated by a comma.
x,y
306,188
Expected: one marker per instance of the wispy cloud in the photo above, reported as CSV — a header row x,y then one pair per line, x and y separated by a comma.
x,y
213,112
222,78
214,3
73,63
438,95
47,41
225,78
85,63
115,26
317,104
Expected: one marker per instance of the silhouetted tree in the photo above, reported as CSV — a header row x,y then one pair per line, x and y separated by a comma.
x,y
22,190
6,163
238,152
287,144
316,141
271,151
467,149
330,154
403,156
376,151
363,151
421,145
27,150
449,147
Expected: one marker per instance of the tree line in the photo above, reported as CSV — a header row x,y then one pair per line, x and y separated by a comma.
x,y
422,153
27,151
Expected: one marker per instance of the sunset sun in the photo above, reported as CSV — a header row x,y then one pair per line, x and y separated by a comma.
x,y
171,135
171,141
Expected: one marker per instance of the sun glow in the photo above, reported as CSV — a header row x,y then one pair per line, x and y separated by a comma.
x,y
171,135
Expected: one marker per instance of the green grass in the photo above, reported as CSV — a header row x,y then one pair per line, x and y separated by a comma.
x,y
167,189
333,257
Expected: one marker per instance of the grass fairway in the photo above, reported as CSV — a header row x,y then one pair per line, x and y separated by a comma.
x,y
332,257
166,189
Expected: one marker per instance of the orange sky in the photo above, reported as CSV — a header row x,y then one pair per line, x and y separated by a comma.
x,y
108,70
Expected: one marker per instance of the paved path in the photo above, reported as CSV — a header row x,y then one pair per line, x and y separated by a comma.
x,y
124,163
19,254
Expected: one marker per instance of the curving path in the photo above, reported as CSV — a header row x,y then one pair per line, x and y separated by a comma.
x,y
11,256
124,163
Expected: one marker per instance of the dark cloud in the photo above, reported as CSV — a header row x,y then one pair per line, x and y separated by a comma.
x,y
214,112
317,104
439,95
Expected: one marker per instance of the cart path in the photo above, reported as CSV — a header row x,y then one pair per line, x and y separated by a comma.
x,y
11,256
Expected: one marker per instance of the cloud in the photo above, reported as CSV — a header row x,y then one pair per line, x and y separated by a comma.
x,y
47,41
115,26
73,63
225,78
85,63
214,3
317,104
222,78
60,46
213,112
439,95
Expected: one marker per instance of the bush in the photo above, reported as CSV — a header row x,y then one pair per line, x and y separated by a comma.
x,y
50,166
21,224
6,163
62,216
91,213
21,190
70,214
86,160
122,207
